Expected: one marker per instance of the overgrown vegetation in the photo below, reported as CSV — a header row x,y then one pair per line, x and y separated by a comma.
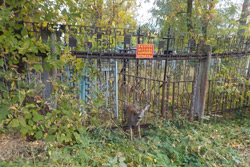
x,y
167,143
34,133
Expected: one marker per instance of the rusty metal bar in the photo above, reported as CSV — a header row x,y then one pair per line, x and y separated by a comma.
x,y
163,99
168,86
108,55
173,97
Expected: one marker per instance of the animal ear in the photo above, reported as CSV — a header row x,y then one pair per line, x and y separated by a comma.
x,y
146,108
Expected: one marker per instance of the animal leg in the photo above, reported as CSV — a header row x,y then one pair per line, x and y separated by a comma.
x,y
131,133
139,131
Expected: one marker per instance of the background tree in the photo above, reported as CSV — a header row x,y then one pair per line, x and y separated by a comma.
x,y
243,17
219,15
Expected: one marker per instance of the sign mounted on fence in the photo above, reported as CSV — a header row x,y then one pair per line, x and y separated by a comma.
x,y
144,51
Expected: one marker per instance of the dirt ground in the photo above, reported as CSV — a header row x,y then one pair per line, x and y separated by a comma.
x,y
14,146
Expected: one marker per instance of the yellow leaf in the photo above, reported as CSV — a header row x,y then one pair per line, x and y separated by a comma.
x,y
45,23
45,134
49,153
12,84
150,158
192,148
12,108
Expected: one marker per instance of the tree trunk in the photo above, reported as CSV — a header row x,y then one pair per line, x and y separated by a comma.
x,y
243,17
189,15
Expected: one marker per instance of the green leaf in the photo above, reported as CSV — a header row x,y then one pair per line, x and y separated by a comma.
x,y
30,122
33,49
42,50
1,62
24,32
28,116
14,123
66,112
22,96
24,130
22,121
31,106
59,138
15,61
248,93
38,67
50,138
3,113
37,117
52,129
39,135
77,136
47,67
68,138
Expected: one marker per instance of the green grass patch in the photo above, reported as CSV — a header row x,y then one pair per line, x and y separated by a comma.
x,y
169,143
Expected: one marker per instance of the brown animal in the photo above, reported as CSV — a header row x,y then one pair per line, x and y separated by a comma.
x,y
133,116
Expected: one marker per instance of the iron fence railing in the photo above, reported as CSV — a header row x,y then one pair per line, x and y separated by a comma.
x,y
167,80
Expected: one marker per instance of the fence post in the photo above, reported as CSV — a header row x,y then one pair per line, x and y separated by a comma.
x,y
53,39
50,74
163,111
201,83
116,90
47,89
194,88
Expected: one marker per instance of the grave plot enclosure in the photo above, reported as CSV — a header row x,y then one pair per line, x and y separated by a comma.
x,y
171,92
173,82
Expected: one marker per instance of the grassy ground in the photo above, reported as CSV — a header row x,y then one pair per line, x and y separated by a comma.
x,y
176,143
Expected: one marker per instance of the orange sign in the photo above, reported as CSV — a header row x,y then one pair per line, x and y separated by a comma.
x,y
145,51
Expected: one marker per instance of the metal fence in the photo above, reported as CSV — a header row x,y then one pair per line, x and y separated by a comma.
x,y
166,81
143,82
